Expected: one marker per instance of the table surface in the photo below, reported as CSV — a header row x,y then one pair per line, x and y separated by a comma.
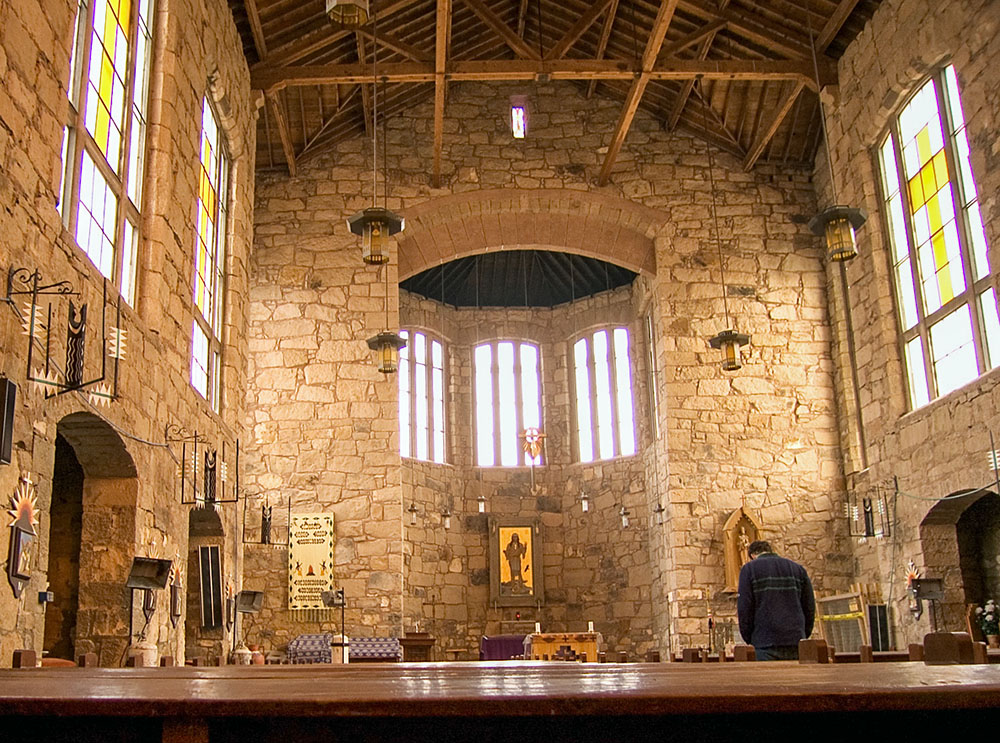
x,y
501,689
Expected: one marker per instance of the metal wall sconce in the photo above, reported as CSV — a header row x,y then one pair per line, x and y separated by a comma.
x,y
481,503
148,574
624,513
837,224
659,511
412,510
176,603
21,282
347,13
214,473
584,501
446,518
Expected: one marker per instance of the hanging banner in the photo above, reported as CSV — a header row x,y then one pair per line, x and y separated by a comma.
x,y
310,559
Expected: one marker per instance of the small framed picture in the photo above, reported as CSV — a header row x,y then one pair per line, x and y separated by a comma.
x,y
19,562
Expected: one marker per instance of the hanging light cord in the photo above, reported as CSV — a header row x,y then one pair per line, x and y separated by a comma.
x,y
822,113
715,213
374,108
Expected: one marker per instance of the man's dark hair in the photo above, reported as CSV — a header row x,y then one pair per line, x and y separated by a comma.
x,y
759,547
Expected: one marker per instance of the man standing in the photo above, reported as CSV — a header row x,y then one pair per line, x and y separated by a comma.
x,y
775,605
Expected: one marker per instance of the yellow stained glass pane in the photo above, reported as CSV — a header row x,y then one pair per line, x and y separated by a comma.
x,y
941,267
940,170
923,145
916,193
928,182
934,213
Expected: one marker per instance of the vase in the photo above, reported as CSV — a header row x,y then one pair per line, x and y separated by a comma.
x,y
993,641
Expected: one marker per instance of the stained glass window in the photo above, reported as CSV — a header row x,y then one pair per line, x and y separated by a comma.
x,y
508,401
947,312
605,415
105,138
421,397
209,256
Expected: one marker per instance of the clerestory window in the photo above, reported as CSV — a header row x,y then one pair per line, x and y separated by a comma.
x,y
211,213
946,306
421,397
602,374
105,137
508,400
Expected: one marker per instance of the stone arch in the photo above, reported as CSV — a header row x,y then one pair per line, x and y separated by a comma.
x,y
591,224
107,502
949,540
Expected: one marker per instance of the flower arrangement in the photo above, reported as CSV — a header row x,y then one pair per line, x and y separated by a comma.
x,y
988,616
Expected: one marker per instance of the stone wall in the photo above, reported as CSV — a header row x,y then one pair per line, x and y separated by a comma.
x,y
131,504
768,434
939,449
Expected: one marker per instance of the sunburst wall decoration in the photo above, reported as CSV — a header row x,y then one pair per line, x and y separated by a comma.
x,y
23,510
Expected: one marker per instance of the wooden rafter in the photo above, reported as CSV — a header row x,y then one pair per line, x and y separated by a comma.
x,y
702,34
522,17
834,24
397,45
322,37
652,51
501,29
327,123
779,115
282,123
256,30
274,79
578,29
440,63
602,44
366,96
748,26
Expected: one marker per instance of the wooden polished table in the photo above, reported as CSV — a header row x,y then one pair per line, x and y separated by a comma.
x,y
503,701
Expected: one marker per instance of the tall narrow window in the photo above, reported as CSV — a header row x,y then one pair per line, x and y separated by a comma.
x,y
421,397
508,400
209,259
605,415
947,309
105,138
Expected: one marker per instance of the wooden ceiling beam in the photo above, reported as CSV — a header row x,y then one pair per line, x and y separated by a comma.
x,y
328,122
256,29
834,24
440,84
656,36
315,40
397,45
501,29
273,79
522,17
283,133
779,115
602,44
703,33
751,28
584,22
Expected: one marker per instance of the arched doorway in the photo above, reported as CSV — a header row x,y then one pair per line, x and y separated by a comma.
x,y
960,536
92,539
65,529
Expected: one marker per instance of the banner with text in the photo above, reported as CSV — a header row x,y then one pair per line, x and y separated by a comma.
x,y
310,559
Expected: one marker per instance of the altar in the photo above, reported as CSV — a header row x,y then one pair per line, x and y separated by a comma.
x,y
582,646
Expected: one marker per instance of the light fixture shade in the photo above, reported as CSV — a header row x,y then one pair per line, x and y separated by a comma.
x,y
386,345
837,224
375,225
481,501
412,510
730,342
584,502
347,13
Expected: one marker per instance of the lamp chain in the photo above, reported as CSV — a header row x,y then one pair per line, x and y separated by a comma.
x,y
715,213
822,112
375,109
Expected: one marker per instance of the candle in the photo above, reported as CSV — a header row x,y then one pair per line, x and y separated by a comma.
x,y
590,626
538,626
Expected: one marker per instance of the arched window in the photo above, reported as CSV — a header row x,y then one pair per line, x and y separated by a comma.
x,y
946,305
211,215
421,397
105,137
602,374
508,399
